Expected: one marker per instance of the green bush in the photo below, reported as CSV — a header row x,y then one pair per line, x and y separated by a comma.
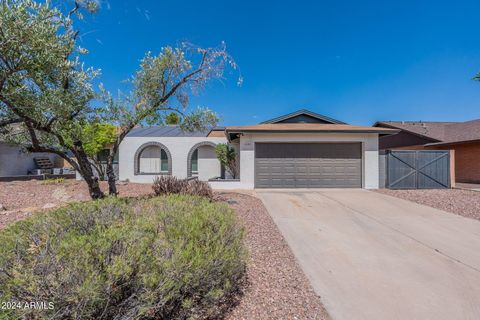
x,y
170,257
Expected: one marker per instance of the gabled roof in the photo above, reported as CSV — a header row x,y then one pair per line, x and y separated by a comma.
x,y
439,132
304,112
233,132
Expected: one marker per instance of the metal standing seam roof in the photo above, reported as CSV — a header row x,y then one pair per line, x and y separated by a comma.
x,y
165,131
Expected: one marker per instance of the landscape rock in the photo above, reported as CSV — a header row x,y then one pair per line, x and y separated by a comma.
x,y
28,209
49,205
60,194
22,198
458,201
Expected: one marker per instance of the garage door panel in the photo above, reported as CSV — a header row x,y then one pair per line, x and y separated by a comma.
x,y
307,165
302,169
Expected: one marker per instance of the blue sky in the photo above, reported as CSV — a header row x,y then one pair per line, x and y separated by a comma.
x,y
357,61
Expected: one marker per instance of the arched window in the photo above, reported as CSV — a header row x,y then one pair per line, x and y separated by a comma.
x,y
153,158
194,162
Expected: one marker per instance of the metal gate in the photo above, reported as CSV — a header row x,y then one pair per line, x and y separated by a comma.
x,y
418,169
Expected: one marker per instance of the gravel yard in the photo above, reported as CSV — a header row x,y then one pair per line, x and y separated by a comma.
x,y
20,198
277,287
462,202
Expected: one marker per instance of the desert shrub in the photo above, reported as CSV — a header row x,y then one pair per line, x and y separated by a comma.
x,y
198,188
169,257
168,185
171,185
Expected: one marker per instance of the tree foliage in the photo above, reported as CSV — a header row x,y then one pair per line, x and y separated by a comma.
x,y
98,136
44,87
172,119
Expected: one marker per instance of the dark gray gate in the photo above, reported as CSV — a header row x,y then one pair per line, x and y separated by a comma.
x,y
418,169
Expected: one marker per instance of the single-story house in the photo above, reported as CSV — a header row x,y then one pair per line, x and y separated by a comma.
x,y
16,162
302,149
462,137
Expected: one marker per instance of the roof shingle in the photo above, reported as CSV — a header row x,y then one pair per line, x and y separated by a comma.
x,y
445,132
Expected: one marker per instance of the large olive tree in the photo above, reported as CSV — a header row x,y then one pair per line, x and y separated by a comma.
x,y
45,90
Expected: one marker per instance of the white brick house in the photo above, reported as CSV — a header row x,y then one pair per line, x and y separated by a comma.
x,y
299,150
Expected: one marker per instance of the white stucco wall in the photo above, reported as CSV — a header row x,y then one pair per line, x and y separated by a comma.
x,y
369,149
179,148
208,164
227,185
15,162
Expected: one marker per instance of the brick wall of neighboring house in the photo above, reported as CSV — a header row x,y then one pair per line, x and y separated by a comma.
x,y
467,161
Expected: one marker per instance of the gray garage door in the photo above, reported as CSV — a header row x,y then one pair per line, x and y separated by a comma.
x,y
308,165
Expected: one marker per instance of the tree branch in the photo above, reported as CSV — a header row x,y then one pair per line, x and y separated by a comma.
x,y
75,8
174,89
34,123
11,71
36,147
5,123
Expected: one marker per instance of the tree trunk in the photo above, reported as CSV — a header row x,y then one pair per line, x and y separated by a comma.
x,y
98,166
87,174
94,188
112,187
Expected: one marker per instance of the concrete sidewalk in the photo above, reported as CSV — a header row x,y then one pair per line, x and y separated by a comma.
x,y
372,256
468,186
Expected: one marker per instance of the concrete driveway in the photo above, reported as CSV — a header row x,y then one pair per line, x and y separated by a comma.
x,y
372,256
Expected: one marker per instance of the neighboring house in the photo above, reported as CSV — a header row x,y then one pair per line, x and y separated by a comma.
x,y
302,149
15,162
462,137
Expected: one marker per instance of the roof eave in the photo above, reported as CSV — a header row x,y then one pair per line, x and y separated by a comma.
x,y
376,124
443,143
384,132
303,111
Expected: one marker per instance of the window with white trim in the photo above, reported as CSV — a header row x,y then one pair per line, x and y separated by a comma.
x,y
194,162
153,159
